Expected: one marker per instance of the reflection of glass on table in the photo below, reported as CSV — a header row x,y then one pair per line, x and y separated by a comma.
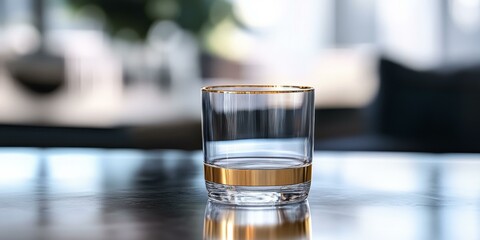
x,y
242,222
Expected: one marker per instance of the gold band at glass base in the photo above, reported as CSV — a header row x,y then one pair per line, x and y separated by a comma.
x,y
258,177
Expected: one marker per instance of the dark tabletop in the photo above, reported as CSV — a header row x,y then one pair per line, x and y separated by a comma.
x,y
133,194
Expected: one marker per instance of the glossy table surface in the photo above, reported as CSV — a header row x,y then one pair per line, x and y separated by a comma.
x,y
133,194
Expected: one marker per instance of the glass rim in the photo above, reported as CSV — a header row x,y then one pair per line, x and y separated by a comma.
x,y
269,89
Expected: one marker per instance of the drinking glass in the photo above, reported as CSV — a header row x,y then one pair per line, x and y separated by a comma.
x,y
257,143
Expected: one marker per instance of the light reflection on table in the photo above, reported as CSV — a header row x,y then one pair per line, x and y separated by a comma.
x,y
134,194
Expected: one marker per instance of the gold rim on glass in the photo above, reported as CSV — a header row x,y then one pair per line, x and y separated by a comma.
x,y
269,89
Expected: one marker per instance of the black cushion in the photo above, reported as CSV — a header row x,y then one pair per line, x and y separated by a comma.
x,y
436,105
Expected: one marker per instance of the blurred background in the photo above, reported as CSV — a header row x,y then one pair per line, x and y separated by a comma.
x,y
389,75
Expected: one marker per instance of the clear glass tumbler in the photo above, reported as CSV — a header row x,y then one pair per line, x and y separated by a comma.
x,y
258,143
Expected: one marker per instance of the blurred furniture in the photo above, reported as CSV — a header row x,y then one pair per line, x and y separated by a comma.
x,y
179,135
414,111
64,193
423,111
40,72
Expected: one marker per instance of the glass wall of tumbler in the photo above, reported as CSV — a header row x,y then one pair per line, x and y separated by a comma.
x,y
258,143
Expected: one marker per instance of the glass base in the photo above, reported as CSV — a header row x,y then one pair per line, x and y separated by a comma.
x,y
264,195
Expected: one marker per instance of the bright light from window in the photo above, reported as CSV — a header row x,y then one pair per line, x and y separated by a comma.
x,y
462,177
17,165
386,222
75,165
461,222
259,14
466,13
74,170
382,171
